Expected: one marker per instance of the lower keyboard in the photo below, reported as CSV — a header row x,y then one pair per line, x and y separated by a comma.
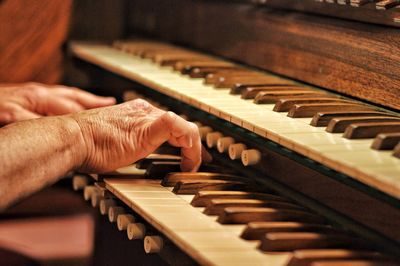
x,y
199,235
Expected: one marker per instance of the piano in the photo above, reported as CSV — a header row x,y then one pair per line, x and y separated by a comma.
x,y
298,103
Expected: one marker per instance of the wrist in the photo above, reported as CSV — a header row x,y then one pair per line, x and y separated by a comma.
x,y
77,143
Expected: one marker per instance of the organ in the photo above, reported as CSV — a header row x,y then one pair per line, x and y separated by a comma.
x,y
298,104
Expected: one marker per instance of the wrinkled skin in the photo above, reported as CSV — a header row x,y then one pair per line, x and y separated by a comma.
x,y
119,135
32,100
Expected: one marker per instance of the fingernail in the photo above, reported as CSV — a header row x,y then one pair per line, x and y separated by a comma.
x,y
190,142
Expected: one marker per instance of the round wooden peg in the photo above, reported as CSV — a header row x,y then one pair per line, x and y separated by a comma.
x,y
105,205
113,213
95,199
123,220
153,244
79,182
251,157
212,138
235,150
88,191
203,131
224,143
136,231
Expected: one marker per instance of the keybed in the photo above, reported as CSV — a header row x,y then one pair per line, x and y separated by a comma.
x,y
354,157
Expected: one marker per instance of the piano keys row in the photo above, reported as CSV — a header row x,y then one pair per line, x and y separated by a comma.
x,y
266,221
379,4
354,119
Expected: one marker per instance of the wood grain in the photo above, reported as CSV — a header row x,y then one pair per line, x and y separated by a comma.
x,y
32,34
323,51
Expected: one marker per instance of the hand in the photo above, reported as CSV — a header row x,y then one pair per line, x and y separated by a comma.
x,y
32,100
122,134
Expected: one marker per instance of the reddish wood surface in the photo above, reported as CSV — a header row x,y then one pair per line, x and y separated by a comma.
x,y
356,59
32,33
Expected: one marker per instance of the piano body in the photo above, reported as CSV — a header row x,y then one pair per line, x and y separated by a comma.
x,y
297,101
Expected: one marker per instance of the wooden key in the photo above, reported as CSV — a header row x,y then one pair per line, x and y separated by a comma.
x,y
290,241
243,215
386,141
370,130
195,70
239,88
266,97
322,119
166,59
339,124
203,198
306,257
193,186
213,78
396,152
217,206
151,54
257,230
145,162
252,92
181,66
284,104
171,179
158,170
367,262
202,72
309,110
229,82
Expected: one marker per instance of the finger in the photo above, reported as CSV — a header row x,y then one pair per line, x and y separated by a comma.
x,y
191,157
169,126
85,99
59,106
13,112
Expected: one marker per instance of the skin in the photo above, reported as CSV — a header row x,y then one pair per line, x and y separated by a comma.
x,y
37,152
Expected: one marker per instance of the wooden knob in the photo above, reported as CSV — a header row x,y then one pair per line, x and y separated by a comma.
x,y
79,182
123,220
212,138
105,205
235,150
198,124
88,191
184,116
153,244
203,131
251,157
136,231
95,199
113,213
224,143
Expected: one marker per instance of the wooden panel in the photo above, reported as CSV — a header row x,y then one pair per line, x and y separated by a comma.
x,y
367,11
349,57
32,33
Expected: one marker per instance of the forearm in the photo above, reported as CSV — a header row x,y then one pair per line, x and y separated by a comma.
x,y
36,153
